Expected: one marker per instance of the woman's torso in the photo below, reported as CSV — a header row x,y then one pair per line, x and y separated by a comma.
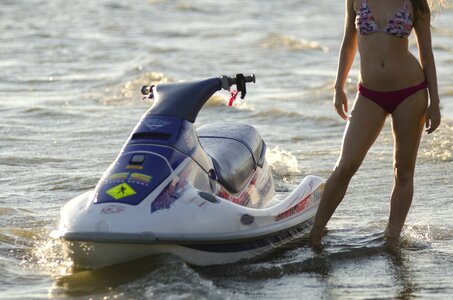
x,y
385,60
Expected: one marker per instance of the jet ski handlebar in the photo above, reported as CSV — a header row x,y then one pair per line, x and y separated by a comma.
x,y
185,99
225,83
240,79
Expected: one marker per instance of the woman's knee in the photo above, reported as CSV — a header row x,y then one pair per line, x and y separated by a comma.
x,y
403,173
345,171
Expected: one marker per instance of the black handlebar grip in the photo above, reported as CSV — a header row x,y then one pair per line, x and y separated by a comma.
x,y
250,78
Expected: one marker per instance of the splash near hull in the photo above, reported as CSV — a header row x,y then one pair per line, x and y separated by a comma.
x,y
102,254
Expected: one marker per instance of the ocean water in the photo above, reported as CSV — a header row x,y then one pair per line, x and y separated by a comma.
x,y
70,77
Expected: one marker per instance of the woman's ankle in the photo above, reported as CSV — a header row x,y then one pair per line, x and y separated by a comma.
x,y
392,232
316,237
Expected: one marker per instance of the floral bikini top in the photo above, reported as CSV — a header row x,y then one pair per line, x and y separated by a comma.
x,y
399,26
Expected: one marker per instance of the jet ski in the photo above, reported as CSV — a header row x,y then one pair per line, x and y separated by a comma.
x,y
203,194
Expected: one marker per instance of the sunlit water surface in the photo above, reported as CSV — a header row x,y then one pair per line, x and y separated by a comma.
x,y
69,96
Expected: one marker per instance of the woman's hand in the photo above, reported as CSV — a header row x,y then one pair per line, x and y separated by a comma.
x,y
340,101
432,118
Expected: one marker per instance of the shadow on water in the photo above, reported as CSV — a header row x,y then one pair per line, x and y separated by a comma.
x,y
402,273
396,254
84,282
301,262
154,277
165,275
281,262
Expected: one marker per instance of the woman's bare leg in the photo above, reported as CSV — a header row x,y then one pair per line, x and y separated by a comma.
x,y
364,125
407,124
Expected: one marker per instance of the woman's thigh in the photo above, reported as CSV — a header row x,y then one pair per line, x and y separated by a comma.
x,y
364,125
407,124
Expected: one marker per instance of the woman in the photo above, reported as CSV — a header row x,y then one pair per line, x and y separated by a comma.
x,y
391,82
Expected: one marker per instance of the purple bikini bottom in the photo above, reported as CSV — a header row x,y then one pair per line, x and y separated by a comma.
x,y
390,100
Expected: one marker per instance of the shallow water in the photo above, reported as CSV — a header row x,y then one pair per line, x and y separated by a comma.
x,y
69,96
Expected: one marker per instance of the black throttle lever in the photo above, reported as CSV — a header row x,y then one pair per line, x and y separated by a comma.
x,y
240,84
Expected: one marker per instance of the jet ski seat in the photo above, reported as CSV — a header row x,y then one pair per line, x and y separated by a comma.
x,y
235,149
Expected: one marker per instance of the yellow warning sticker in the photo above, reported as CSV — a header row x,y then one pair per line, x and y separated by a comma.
x,y
134,167
120,191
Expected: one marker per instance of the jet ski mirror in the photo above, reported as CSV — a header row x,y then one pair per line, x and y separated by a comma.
x,y
147,91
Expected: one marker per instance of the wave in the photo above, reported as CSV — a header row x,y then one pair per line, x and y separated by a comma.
x,y
444,48
29,161
131,90
279,41
216,100
185,6
6,211
306,118
275,113
158,1
50,112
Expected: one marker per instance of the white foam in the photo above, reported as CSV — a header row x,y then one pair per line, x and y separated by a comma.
x,y
282,162
417,236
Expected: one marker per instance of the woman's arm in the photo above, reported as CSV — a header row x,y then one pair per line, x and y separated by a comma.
x,y
346,58
422,28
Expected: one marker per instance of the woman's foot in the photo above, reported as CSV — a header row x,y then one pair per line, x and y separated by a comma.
x,y
315,239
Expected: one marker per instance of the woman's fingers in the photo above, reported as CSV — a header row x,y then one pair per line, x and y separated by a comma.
x,y
341,104
432,120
